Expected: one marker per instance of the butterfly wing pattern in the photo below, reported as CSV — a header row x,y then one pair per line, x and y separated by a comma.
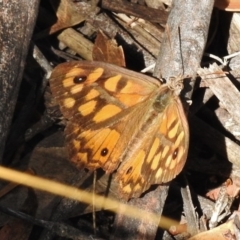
x,y
122,121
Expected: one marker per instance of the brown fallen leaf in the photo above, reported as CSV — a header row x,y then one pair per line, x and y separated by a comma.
x,y
228,5
70,14
107,50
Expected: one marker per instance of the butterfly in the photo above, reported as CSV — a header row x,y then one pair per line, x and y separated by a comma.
x,y
121,121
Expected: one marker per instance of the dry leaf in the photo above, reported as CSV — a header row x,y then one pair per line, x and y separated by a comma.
x,y
107,50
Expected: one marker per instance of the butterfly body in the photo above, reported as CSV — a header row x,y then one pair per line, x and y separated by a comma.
x,y
122,121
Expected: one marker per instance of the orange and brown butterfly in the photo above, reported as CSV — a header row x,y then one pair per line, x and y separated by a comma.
x,y
122,121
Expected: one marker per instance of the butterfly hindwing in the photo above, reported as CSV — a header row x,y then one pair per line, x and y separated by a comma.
x,y
160,154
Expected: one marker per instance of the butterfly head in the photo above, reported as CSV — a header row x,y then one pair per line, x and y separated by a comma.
x,y
175,83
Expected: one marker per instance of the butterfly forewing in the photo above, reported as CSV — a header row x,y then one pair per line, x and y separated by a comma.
x,y
121,120
98,100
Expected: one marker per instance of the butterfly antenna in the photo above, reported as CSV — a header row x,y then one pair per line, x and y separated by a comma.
x,y
180,46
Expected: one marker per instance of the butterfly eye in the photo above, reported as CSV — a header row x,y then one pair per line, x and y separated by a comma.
x,y
175,153
79,79
104,152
